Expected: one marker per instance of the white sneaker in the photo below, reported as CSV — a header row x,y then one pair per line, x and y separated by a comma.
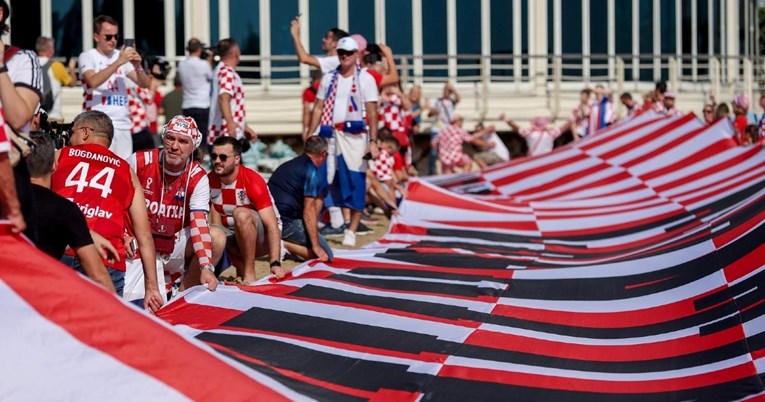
x,y
349,239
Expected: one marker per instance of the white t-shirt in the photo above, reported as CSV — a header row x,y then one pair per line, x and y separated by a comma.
x,y
499,147
369,93
540,141
24,71
328,63
111,96
196,75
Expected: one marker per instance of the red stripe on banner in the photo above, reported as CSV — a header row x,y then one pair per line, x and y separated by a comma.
x,y
693,159
638,285
385,395
611,319
638,386
544,168
747,264
398,228
676,143
602,182
584,213
665,129
428,194
563,180
480,298
101,321
345,263
607,353
196,315
596,141
359,393
504,225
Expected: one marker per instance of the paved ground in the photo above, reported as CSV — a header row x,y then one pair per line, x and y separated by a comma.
x,y
379,228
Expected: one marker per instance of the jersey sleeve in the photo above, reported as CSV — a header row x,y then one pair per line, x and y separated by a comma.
x,y
328,63
309,96
226,81
24,71
369,87
257,190
87,63
200,197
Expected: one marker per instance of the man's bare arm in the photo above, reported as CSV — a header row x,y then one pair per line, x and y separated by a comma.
x,y
140,219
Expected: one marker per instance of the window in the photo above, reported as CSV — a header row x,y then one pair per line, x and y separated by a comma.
x,y
67,27
282,13
434,37
361,19
571,36
501,37
598,37
214,23
150,42
245,29
323,17
468,38
24,29
398,26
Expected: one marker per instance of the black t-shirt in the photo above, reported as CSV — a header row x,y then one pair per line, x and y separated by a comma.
x,y
59,223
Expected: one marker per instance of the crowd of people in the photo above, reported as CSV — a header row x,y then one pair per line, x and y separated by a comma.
x,y
133,205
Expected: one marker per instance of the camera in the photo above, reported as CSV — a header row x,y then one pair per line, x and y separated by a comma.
x,y
162,68
58,132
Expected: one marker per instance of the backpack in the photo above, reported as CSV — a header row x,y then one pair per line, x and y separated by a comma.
x,y
46,103
22,144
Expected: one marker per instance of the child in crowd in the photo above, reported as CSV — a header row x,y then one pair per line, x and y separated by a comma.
x,y
382,185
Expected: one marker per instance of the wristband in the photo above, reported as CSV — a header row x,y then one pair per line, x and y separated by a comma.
x,y
276,264
4,69
209,267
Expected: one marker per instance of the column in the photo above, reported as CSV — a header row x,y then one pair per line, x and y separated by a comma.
x,y
224,25
87,25
46,18
694,39
380,21
538,47
517,40
635,41
586,41
265,43
557,34
657,40
451,38
342,14
486,37
679,37
305,23
128,21
611,10
731,39
196,20
170,52
417,40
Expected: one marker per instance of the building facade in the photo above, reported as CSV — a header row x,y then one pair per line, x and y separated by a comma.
x,y
436,39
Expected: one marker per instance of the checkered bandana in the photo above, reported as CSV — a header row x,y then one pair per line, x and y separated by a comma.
x,y
184,125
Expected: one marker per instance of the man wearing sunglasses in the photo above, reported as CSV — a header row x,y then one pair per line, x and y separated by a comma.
x,y
244,207
178,200
104,71
343,97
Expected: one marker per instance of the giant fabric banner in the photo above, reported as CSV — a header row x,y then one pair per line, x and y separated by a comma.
x,y
625,267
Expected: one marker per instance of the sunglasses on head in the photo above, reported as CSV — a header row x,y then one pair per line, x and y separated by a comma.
x,y
214,157
342,52
110,37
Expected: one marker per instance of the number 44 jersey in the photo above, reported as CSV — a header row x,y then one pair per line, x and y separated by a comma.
x,y
99,182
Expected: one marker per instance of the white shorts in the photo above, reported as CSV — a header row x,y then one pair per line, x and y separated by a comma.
x,y
170,269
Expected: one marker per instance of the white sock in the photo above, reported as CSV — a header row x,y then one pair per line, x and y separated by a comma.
x,y
336,217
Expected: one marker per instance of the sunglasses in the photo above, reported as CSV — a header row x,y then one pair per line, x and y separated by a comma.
x,y
214,157
110,37
708,111
345,52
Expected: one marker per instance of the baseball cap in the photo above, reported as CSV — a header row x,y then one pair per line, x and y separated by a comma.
x,y
456,117
540,121
184,125
669,94
194,45
348,44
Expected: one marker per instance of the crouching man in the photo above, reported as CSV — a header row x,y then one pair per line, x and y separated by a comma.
x,y
244,206
178,198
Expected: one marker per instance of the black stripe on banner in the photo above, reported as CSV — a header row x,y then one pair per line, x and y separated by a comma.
x,y
452,260
337,331
413,272
451,289
313,391
346,371
457,390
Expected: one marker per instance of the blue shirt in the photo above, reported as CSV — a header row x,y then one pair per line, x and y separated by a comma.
x,y
294,180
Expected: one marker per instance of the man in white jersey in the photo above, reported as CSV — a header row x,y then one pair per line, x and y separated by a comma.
x,y
103,72
196,74
328,46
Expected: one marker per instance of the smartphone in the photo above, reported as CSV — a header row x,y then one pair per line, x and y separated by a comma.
x,y
129,42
